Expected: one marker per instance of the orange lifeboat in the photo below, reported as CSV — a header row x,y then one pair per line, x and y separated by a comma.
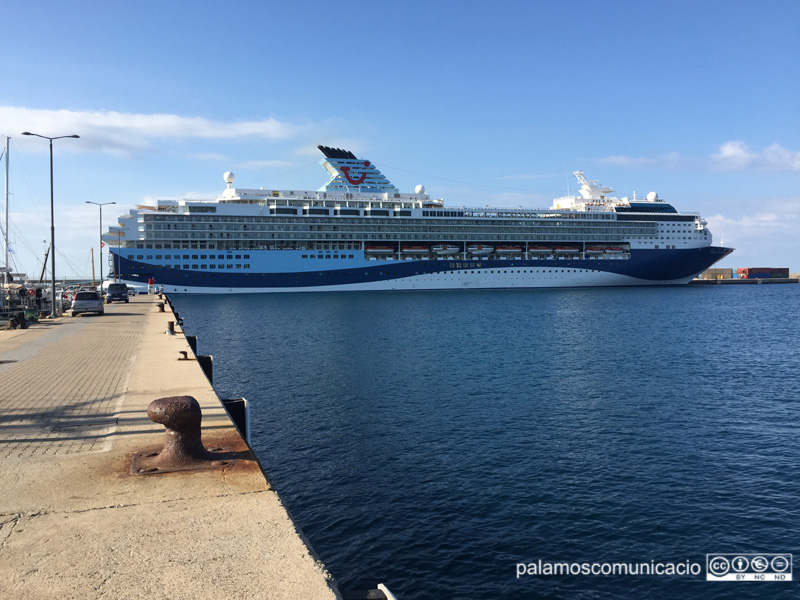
x,y
445,249
375,249
509,249
411,249
480,249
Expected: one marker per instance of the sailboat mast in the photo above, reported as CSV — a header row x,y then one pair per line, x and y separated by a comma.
x,y
5,228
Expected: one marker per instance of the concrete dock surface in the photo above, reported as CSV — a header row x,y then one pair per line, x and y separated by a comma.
x,y
74,521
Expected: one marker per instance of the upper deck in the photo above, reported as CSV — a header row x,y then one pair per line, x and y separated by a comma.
x,y
358,204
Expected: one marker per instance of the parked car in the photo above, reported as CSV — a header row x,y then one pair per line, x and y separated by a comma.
x,y
131,290
87,302
116,292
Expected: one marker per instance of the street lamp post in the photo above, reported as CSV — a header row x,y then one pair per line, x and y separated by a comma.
x,y
101,205
53,314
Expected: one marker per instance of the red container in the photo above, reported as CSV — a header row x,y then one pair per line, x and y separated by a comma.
x,y
762,272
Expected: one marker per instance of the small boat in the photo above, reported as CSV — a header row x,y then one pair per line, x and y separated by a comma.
x,y
567,249
509,249
539,249
408,249
614,250
480,249
370,249
594,249
445,249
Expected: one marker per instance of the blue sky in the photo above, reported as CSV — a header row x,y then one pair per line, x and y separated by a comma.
x,y
482,102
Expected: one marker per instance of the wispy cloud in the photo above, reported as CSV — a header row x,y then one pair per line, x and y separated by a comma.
x,y
759,233
670,160
738,156
127,133
731,156
265,164
208,156
755,225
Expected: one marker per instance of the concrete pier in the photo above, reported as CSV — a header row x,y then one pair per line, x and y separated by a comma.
x,y
74,521
742,281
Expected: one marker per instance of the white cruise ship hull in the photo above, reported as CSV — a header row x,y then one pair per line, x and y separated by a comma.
x,y
294,271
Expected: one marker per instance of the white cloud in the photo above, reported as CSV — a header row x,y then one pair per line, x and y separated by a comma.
x,y
126,133
760,232
737,156
765,238
733,155
754,225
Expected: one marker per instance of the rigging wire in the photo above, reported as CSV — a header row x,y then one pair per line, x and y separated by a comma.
x,y
470,183
39,209
258,183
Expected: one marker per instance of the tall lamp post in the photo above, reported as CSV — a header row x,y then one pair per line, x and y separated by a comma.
x,y
53,314
101,205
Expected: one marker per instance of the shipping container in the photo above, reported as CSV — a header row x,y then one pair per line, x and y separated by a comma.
x,y
762,272
717,273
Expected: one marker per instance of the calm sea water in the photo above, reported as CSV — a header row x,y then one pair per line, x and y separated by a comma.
x,y
434,441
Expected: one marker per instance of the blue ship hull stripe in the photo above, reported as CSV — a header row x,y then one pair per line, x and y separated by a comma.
x,y
643,264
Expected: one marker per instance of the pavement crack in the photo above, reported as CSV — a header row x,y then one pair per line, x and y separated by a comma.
x,y
15,518
7,525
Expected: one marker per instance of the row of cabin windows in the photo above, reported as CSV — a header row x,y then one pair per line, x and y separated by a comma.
x,y
231,266
194,257
327,256
483,272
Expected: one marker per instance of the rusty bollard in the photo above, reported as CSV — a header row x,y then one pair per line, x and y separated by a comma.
x,y
171,327
160,306
183,449
184,355
160,295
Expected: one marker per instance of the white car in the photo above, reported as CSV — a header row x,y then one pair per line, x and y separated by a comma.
x,y
85,301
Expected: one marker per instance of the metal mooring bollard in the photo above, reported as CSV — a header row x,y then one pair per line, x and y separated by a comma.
x,y
183,449
184,355
171,327
160,306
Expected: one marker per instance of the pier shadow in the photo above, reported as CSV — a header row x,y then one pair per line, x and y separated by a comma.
x,y
66,423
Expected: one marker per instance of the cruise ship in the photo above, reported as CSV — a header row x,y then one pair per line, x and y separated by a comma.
x,y
360,233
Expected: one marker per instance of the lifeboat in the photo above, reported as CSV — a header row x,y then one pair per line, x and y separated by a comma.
x,y
509,249
374,249
409,249
539,249
594,249
614,250
480,249
567,249
445,249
